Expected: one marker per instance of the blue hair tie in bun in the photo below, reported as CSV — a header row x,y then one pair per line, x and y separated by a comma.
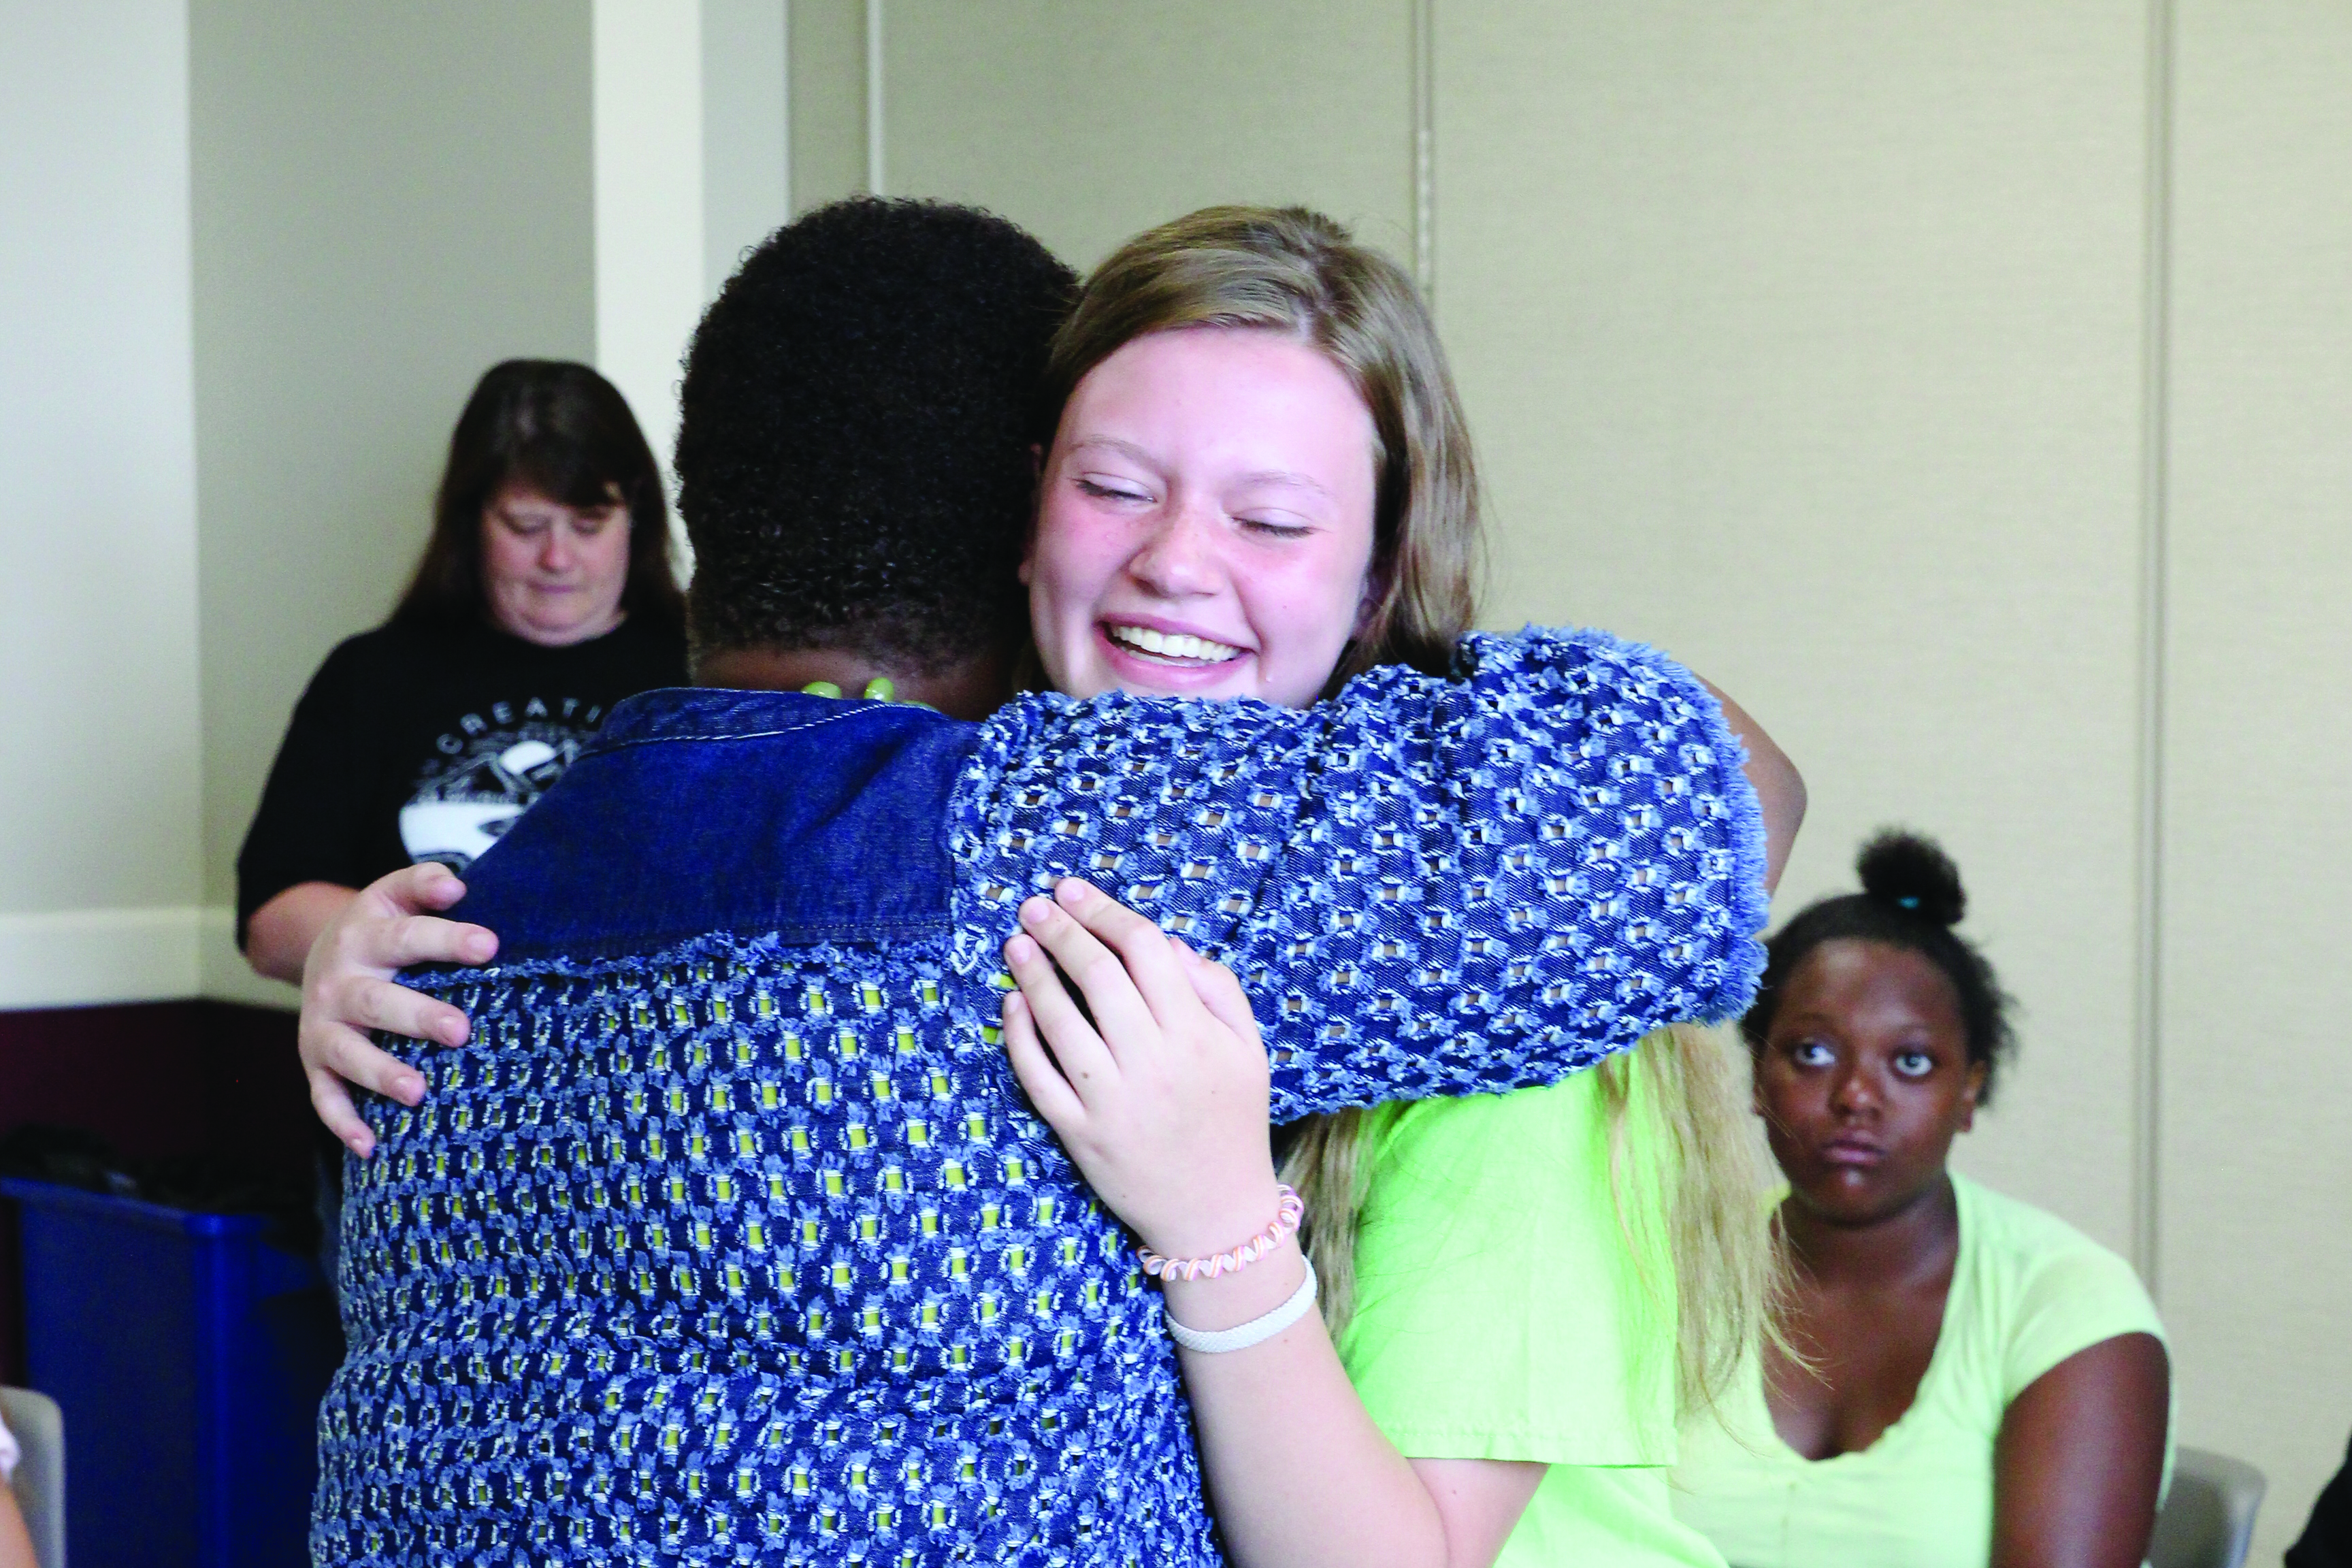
x,y
1909,901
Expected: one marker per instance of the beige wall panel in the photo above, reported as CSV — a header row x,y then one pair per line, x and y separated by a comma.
x,y
827,101
746,130
1086,123
387,201
2256,1244
99,757
1806,340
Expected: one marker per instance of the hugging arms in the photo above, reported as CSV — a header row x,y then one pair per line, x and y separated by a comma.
x,y
1432,885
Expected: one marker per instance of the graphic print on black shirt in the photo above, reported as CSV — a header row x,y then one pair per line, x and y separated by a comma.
x,y
486,770
426,743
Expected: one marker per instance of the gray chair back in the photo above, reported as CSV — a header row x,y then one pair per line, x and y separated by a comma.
x,y
2207,1519
40,1484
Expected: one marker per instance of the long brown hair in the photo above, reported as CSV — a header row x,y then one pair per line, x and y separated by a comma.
x,y
1297,272
567,433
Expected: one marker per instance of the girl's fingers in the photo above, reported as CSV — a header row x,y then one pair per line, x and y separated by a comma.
x,y
1144,950
1219,991
1057,1103
332,1101
1121,1012
415,890
1084,1060
392,942
352,1057
396,922
430,939
368,1002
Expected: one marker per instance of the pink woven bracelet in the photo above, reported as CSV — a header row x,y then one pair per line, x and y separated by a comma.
x,y
1287,1212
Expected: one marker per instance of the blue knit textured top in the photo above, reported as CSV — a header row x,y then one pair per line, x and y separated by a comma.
x,y
731,1238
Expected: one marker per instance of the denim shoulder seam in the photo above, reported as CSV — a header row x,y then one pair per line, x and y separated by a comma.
x,y
857,711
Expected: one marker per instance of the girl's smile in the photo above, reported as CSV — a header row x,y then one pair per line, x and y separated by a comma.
x,y
1205,522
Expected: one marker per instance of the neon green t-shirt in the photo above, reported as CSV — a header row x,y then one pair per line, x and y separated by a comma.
x,y
1503,1312
2028,1290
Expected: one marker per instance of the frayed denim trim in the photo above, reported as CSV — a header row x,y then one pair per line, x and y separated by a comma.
x,y
1750,904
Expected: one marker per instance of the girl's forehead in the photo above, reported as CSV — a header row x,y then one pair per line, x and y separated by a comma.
x,y
1238,359
1244,392
1872,980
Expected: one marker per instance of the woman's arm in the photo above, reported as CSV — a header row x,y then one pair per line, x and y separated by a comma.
x,y
1432,886
1779,788
307,847
1163,1109
2079,1457
347,990
15,1545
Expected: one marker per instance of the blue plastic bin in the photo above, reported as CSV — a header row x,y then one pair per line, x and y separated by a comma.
x,y
188,1355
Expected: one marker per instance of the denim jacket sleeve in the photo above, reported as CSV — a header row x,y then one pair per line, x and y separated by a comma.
x,y
1429,885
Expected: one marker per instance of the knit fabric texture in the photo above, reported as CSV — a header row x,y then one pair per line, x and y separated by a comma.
x,y
747,1249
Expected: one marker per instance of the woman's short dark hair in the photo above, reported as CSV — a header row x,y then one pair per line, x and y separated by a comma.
x,y
566,432
1911,899
853,459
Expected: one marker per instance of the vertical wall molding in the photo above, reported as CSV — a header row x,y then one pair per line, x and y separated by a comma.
x,y
2155,440
648,169
1425,147
877,166
786,7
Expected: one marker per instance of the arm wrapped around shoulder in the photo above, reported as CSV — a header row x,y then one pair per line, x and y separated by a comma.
x,y
1429,885
1528,867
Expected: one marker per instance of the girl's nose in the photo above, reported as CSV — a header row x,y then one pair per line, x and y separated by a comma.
x,y
1853,1090
556,549
1180,559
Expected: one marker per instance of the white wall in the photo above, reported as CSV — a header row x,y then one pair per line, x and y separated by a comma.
x,y
387,201
2255,1247
1808,344
1086,124
650,255
99,766
747,155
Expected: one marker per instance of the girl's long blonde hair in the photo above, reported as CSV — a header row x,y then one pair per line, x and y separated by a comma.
x,y
1297,273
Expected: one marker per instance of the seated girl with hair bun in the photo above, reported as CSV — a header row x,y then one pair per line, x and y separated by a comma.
x,y
1965,1380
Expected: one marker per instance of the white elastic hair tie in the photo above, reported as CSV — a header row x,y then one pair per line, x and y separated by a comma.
x,y
1258,1330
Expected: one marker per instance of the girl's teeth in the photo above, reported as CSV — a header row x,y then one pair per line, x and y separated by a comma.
x,y
1179,645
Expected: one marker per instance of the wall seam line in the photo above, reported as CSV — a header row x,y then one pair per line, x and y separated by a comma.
x,y
785,7
2153,568
1424,149
877,180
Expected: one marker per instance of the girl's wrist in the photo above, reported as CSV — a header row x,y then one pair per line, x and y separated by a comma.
x,y
1222,1238
1258,1268
1231,1299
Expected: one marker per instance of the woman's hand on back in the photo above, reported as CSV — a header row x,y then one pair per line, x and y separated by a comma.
x,y
1160,1097
347,990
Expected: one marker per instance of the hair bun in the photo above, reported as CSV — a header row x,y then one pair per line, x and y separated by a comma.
x,y
1914,874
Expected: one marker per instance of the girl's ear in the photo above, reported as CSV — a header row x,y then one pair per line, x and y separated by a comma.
x,y
1368,604
1971,1089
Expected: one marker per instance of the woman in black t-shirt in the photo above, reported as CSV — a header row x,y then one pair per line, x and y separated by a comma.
x,y
544,597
